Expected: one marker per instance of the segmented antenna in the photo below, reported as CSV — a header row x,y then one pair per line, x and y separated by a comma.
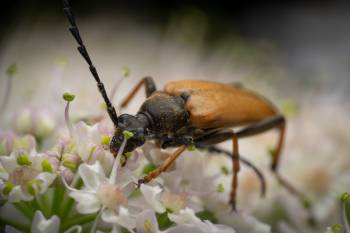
x,y
73,28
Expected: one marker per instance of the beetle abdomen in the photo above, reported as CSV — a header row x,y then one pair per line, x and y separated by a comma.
x,y
216,105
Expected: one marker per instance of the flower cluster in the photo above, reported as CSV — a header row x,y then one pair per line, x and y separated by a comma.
x,y
63,178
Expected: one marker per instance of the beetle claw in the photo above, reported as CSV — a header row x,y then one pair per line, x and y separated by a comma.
x,y
233,206
139,182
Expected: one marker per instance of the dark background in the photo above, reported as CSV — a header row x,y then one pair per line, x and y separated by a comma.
x,y
307,34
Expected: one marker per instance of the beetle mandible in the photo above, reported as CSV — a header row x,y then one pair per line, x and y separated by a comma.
x,y
190,112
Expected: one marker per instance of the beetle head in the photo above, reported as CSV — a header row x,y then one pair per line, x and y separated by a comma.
x,y
132,124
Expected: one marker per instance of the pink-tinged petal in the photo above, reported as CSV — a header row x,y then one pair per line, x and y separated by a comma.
x,y
87,203
9,163
122,218
243,222
42,225
146,222
92,175
152,196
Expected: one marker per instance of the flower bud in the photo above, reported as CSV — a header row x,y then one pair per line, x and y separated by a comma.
x,y
23,160
67,175
6,143
34,186
37,123
7,187
70,161
46,166
26,143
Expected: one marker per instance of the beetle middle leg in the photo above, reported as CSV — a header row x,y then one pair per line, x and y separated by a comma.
x,y
246,162
150,87
164,166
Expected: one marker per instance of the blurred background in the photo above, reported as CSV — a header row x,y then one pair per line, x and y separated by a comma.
x,y
296,53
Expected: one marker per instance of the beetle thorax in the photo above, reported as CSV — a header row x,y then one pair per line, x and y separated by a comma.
x,y
168,112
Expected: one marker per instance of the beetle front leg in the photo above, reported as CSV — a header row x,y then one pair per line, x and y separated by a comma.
x,y
163,167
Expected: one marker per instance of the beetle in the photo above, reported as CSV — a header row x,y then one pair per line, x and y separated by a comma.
x,y
190,112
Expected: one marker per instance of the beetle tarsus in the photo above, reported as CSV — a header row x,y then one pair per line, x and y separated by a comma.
x,y
139,182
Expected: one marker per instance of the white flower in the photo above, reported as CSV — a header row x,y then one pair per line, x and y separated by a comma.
x,y
110,196
92,145
22,176
188,222
146,222
42,225
242,222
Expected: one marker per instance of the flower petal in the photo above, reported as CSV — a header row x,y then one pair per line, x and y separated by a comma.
x,y
146,222
123,218
92,175
42,225
17,195
151,195
87,203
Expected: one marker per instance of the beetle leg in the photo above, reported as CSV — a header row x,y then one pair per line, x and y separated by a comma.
x,y
264,125
249,164
150,87
235,168
164,166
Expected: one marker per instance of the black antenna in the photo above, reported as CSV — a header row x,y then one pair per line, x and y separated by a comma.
x,y
73,28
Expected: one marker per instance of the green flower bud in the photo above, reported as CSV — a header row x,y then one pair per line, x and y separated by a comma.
x,y
105,140
125,72
127,134
24,160
68,97
344,197
191,147
11,70
34,186
220,188
26,143
70,164
46,166
8,188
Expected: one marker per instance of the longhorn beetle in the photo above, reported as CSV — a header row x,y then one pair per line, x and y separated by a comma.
x,y
190,112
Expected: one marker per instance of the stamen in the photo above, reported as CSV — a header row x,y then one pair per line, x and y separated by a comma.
x,y
10,72
125,73
113,175
344,217
69,98
97,219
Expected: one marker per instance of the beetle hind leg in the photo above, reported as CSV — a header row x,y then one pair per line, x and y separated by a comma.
x,y
235,168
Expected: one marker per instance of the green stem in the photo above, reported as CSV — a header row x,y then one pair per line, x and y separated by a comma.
x,y
67,201
43,206
25,209
80,220
19,226
58,195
